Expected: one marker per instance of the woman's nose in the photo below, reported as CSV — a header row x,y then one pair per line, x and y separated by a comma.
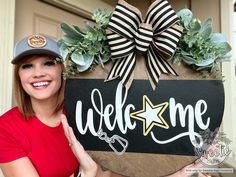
x,y
39,72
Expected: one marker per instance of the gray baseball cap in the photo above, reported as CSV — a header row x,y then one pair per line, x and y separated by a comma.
x,y
35,44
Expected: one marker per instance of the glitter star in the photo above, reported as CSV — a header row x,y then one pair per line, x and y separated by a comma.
x,y
151,115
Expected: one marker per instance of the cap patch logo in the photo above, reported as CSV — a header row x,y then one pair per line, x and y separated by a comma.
x,y
37,41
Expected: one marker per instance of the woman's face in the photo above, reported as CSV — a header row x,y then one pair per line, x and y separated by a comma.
x,y
40,77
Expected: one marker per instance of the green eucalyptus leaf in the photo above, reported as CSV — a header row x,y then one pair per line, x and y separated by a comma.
x,y
217,38
100,35
64,49
195,26
65,53
185,16
224,58
88,59
204,67
78,58
78,30
224,47
70,31
206,28
105,58
185,53
189,59
60,43
87,25
205,62
68,40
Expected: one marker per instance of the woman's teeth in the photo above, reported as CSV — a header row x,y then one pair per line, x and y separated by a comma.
x,y
40,84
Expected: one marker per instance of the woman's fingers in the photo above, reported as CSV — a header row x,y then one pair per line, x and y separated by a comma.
x,y
75,145
65,125
85,160
88,167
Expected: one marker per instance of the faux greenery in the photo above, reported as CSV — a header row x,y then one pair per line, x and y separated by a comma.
x,y
82,50
198,46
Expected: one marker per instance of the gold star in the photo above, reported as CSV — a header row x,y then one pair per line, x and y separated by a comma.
x,y
151,115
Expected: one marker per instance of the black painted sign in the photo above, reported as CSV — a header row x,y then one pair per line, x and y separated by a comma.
x,y
106,117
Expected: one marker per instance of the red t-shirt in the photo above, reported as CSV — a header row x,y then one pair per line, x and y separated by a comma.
x,y
46,147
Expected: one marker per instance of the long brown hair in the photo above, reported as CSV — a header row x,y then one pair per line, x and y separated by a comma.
x,y
23,99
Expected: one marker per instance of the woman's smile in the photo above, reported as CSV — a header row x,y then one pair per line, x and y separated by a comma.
x,y
40,84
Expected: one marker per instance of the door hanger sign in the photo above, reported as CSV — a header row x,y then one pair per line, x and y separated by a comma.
x,y
107,117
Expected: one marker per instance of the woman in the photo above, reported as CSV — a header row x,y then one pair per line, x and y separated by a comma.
x,y
32,138
35,138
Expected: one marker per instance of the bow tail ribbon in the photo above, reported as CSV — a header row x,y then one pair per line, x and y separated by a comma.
x,y
156,66
162,48
123,68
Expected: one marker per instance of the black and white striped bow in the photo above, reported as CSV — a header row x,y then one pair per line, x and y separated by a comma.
x,y
157,37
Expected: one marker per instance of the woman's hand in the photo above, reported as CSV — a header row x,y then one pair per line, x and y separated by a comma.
x,y
88,167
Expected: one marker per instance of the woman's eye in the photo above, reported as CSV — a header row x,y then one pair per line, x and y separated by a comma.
x,y
49,63
26,66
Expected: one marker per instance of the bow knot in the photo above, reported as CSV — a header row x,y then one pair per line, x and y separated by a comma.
x,y
156,37
143,37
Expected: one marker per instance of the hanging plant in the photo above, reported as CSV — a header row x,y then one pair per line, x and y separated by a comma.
x,y
198,46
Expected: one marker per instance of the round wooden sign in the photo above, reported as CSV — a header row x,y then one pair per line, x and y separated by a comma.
x,y
143,132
